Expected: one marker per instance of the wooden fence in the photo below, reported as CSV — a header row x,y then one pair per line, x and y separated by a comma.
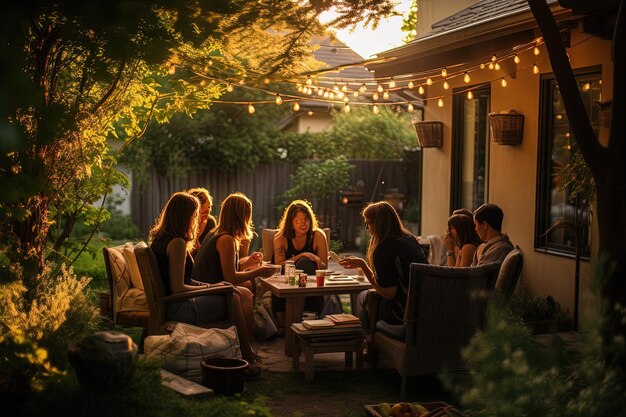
x,y
265,182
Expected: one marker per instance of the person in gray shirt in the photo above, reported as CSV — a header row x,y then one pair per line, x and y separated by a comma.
x,y
496,245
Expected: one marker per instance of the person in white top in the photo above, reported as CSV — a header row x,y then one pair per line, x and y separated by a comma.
x,y
496,245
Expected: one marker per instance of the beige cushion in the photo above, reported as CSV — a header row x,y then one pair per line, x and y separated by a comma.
x,y
131,261
120,275
268,243
134,300
182,352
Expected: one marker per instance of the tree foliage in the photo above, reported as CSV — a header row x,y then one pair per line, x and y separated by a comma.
x,y
76,73
409,23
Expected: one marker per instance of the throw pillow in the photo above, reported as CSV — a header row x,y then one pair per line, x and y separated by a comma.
x,y
133,268
183,351
120,275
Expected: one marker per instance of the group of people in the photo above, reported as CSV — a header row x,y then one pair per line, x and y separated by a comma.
x,y
193,249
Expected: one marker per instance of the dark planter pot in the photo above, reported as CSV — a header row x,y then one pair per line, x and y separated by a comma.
x,y
549,326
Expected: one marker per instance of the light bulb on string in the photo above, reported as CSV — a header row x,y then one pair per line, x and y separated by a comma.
x,y
466,77
242,82
375,109
346,108
340,94
497,66
421,90
210,62
444,72
309,81
536,50
326,94
392,83
379,88
250,108
482,66
344,88
440,102
410,84
385,95
375,96
320,92
229,88
203,82
355,94
205,69
516,59
309,91
491,66
503,82
535,69
494,58
296,106
429,81
362,88
309,113
335,87
278,100
331,95
470,95
266,80
300,89
445,84
409,107
172,69
346,99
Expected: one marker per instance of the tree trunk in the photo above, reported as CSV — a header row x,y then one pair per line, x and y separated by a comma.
x,y
608,165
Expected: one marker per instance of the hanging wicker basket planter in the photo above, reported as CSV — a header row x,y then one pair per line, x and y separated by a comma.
x,y
429,134
507,128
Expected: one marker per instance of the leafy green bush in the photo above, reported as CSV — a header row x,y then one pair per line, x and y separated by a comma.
x,y
58,309
120,226
529,308
513,375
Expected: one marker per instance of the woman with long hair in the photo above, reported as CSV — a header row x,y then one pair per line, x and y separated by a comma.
x,y
390,252
461,240
218,257
206,221
299,239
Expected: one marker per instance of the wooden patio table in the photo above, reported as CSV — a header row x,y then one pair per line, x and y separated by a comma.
x,y
294,299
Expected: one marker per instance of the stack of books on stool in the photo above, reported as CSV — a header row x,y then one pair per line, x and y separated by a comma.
x,y
333,321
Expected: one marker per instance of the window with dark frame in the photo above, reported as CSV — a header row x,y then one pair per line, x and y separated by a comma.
x,y
470,149
557,211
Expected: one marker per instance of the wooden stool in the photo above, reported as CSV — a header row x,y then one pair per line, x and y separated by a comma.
x,y
330,340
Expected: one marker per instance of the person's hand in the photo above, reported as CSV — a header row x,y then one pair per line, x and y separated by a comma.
x,y
313,257
449,241
351,262
265,271
256,258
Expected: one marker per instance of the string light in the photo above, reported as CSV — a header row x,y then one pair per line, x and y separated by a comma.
x,y
266,80
346,99
355,94
326,94
535,69
172,69
421,90
392,83
279,100
362,88
497,66
411,85
482,66
470,95
375,96
445,84
429,81
229,88
250,108
536,50
385,95
379,88
466,77
346,108
444,72
242,82
503,83
516,59
296,106
210,62
344,88
491,66
203,83
375,109
494,58
440,102
335,87
309,81
320,92
410,107
309,113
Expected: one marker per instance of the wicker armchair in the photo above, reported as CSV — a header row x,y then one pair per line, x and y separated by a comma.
x,y
445,307
510,272
157,300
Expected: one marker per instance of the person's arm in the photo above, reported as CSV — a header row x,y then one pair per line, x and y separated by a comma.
x,y
226,247
320,246
450,249
466,254
176,258
280,249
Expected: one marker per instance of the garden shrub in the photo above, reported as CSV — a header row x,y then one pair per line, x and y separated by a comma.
x,y
60,308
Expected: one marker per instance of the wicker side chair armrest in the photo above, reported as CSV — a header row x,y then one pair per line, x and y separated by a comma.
x,y
224,289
